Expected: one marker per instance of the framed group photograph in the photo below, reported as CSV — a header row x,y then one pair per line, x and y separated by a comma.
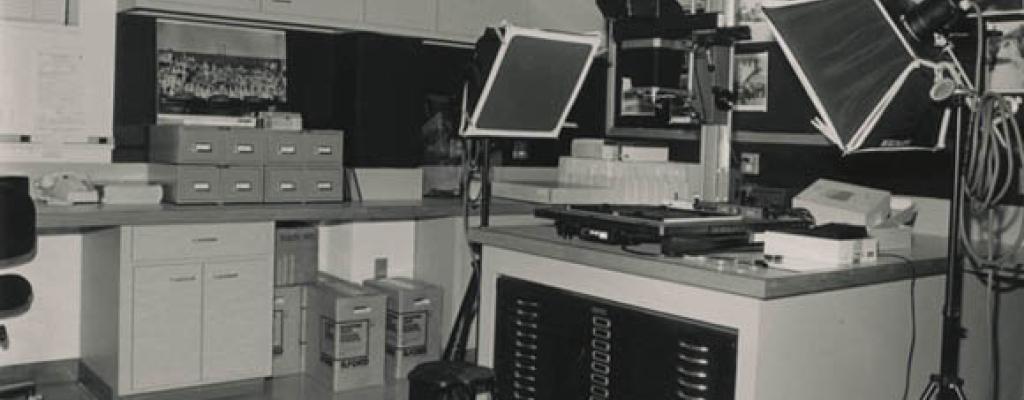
x,y
1005,56
205,69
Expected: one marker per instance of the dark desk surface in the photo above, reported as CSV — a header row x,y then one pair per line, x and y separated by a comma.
x,y
99,215
717,273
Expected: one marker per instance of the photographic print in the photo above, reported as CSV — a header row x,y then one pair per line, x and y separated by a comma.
x,y
1006,57
214,70
752,82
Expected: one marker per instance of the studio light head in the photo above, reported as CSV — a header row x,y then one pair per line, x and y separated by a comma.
x,y
930,16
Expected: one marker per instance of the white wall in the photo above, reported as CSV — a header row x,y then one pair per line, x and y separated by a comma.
x,y
51,67
49,330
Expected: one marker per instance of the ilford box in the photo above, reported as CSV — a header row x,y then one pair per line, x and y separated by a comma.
x,y
289,346
345,349
414,323
295,255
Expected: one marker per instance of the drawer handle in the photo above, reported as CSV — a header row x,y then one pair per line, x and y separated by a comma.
x,y
361,310
693,360
243,186
283,1
287,186
286,149
205,240
692,374
245,149
201,186
203,147
183,278
232,275
682,395
693,347
692,386
325,186
324,150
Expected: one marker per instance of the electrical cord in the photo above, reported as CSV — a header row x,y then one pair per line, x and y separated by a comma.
x,y
913,320
995,149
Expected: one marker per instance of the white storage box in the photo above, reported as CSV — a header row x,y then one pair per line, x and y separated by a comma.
x,y
359,251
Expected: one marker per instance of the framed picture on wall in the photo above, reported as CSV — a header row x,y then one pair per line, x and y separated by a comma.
x,y
752,82
205,69
1005,56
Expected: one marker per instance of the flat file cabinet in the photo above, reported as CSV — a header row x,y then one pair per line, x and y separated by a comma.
x,y
173,306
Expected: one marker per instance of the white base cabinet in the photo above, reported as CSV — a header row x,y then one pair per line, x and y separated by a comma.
x,y
166,307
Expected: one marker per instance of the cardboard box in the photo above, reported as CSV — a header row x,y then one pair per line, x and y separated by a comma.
x,y
345,323
289,344
295,255
359,251
413,323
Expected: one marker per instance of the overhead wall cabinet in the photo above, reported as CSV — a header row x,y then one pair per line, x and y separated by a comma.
x,y
224,4
167,307
454,20
341,10
412,14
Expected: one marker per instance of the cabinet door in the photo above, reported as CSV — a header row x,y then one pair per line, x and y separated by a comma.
x,y
253,5
166,313
566,15
237,320
341,10
410,14
466,18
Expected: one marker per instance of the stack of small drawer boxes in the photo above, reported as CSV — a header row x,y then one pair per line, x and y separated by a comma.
x,y
244,165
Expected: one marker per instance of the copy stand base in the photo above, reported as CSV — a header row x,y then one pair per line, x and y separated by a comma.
x,y
940,388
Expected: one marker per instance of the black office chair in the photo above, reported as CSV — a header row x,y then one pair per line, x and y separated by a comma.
x,y
17,246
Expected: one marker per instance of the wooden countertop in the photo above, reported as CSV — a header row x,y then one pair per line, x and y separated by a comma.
x,y
56,218
719,272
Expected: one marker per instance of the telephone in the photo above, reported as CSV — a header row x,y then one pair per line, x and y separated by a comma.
x,y
66,188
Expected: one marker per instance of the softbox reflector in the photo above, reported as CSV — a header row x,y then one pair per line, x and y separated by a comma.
x,y
867,83
532,83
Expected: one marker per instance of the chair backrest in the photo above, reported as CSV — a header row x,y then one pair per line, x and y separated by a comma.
x,y
15,295
17,221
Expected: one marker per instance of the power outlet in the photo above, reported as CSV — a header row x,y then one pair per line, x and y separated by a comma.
x,y
750,163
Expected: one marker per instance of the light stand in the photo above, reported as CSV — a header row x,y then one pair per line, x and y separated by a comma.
x,y
947,384
927,17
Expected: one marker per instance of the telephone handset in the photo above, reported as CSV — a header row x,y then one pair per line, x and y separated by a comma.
x,y
66,188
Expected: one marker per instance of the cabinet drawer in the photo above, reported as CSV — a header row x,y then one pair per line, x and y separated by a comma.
x,y
241,184
284,184
324,184
193,184
166,242
178,144
323,147
284,148
245,147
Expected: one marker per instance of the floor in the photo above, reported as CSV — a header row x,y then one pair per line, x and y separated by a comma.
x,y
296,387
